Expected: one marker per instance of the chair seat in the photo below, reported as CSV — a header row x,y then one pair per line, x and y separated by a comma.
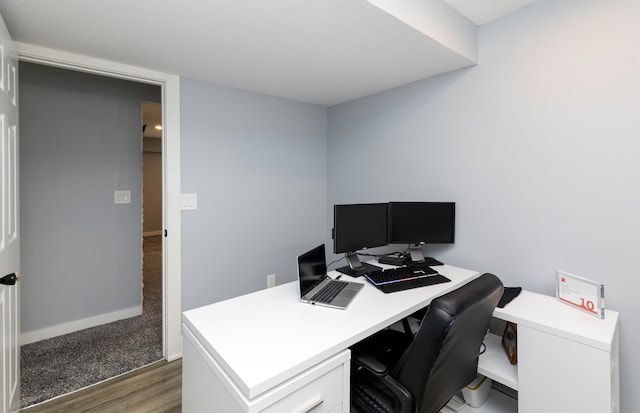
x,y
365,394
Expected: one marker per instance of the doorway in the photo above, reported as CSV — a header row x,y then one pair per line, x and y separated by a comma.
x,y
170,85
151,168
152,208
80,243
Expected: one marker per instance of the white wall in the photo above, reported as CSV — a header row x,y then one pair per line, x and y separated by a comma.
x,y
538,145
258,165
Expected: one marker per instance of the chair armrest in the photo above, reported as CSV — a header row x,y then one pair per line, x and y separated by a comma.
x,y
401,393
368,362
378,371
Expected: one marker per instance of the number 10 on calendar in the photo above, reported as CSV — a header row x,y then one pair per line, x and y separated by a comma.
x,y
581,293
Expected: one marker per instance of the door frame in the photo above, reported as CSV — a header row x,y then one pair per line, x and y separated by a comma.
x,y
170,85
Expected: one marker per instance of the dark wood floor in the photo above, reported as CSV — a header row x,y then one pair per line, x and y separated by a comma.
x,y
155,388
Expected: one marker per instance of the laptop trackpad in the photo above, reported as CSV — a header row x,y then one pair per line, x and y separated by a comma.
x,y
348,293
345,296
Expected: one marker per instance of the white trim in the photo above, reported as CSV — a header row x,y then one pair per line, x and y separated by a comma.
x,y
173,262
172,277
70,327
73,61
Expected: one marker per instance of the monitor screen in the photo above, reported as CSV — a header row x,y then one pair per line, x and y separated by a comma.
x,y
421,222
359,226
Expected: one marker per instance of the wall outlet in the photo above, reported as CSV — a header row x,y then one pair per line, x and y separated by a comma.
x,y
271,280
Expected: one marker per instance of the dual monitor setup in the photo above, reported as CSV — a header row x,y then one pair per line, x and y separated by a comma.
x,y
360,226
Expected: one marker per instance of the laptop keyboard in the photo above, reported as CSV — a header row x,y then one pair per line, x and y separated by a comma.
x,y
329,291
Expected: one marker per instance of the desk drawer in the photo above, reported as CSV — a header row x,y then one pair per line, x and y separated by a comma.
x,y
320,396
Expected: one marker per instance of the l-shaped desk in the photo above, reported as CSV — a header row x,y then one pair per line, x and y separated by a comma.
x,y
267,352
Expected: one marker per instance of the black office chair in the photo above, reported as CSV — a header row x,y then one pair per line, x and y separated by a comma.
x,y
395,373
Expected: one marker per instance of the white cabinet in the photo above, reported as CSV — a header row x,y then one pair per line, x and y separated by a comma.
x,y
562,375
323,388
321,395
567,360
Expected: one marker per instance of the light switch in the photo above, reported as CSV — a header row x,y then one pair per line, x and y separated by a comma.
x,y
188,201
121,197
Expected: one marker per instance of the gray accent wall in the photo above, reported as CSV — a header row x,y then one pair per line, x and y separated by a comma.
x,y
538,145
258,165
80,140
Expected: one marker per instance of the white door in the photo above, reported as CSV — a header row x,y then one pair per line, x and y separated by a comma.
x,y
9,243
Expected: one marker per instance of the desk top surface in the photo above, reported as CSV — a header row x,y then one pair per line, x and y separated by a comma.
x,y
267,337
549,315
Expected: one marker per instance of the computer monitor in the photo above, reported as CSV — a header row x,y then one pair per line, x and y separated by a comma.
x,y
357,227
418,223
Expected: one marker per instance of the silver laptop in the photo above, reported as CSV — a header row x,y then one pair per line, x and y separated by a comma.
x,y
316,287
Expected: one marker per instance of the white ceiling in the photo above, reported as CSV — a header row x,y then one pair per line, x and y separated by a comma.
x,y
317,51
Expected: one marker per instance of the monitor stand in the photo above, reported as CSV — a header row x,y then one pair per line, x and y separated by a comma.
x,y
415,251
416,254
355,267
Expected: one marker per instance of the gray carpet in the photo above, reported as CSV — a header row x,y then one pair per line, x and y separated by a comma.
x,y
60,365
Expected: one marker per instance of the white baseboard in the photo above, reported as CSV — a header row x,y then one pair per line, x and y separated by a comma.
x,y
176,356
70,327
151,233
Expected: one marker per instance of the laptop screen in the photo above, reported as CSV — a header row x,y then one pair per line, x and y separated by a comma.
x,y
312,268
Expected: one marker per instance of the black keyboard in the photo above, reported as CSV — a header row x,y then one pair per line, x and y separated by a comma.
x,y
329,291
400,274
413,283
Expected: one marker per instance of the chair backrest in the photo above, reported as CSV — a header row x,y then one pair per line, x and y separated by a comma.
x,y
443,357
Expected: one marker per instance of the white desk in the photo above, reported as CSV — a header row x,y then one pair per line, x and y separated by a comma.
x,y
266,352
254,352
